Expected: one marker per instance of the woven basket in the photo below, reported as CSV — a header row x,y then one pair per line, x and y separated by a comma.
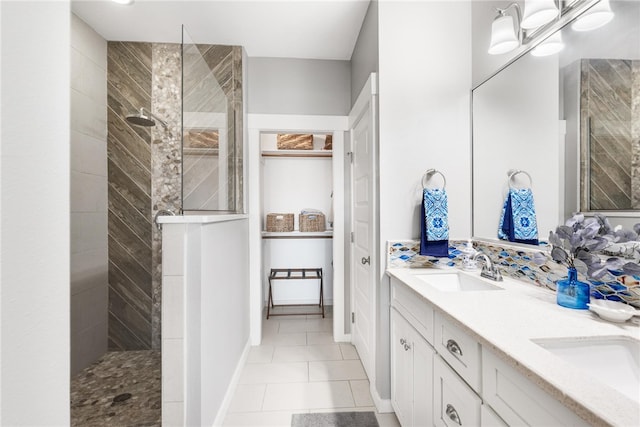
x,y
279,222
312,222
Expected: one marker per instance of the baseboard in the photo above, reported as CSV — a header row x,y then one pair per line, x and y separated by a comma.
x,y
224,407
382,405
342,338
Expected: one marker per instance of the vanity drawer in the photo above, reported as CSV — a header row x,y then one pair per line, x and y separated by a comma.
x,y
413,308
459,350
454,403
517,400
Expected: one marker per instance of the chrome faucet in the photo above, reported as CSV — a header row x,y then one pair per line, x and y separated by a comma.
x,y
489,269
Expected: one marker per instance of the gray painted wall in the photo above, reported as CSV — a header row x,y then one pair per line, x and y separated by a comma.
x,y
364,59
299,86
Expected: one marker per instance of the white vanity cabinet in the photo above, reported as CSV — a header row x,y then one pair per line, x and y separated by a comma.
x,y
517,400
411,357
411,373
442,376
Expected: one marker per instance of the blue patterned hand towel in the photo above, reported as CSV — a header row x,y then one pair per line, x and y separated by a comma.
x,y
434,224
518,219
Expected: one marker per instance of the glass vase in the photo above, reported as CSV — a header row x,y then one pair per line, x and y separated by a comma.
x,y
571,292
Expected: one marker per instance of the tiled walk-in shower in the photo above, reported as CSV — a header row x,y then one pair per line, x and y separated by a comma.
x,y
121,389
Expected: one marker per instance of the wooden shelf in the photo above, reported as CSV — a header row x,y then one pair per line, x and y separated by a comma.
x,y
297,153
328,234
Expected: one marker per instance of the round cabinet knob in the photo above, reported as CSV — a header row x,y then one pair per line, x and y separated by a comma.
x,y
366,260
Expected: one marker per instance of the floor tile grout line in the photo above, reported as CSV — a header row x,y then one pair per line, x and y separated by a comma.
x,y
352,396
264,397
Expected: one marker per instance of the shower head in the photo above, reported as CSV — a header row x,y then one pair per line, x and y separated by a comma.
x,y
144,118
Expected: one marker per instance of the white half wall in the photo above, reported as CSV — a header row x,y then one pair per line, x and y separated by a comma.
x,y
34,224
205,315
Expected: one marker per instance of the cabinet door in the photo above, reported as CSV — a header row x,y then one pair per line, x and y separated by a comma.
x,y
422,382
455,403
401,368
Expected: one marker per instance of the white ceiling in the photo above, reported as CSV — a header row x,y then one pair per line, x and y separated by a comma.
x,y
321,29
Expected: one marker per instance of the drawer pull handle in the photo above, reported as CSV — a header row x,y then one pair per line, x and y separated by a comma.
x,y
453,414
454,348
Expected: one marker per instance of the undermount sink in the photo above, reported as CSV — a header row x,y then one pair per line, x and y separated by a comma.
x,y
457,282
615,361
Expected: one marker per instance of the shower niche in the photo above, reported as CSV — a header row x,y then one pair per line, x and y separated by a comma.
x,y
211,127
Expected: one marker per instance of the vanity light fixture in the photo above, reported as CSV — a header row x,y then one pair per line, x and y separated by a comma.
x,y
505,36
124,2
538,12
597,16
550,46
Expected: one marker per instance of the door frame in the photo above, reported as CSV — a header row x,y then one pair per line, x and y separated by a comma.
x,y
367,103
258,123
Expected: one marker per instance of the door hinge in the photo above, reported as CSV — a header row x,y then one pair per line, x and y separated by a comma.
x,y
350,154
352,237
353,317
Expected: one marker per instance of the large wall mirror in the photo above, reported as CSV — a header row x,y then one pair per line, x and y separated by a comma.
x,y
571,121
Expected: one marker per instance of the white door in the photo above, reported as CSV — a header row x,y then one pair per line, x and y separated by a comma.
x,y
363,247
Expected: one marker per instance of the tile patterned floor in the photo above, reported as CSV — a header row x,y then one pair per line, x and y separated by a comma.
x,y
117,374
297,369
300,369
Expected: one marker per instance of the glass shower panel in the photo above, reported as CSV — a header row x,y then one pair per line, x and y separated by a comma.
x,y
208,139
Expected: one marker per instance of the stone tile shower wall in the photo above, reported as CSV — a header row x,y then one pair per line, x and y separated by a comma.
x,y
129,76
165,159
144,174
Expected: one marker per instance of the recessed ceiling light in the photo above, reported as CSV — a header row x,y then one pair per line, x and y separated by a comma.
x,y
125,2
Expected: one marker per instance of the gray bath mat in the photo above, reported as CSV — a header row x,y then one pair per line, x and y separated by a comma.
x,y
335,419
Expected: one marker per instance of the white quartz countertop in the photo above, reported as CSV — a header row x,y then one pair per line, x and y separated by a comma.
x,y
506,322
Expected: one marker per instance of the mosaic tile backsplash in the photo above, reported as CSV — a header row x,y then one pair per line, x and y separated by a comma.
x,y
514,262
